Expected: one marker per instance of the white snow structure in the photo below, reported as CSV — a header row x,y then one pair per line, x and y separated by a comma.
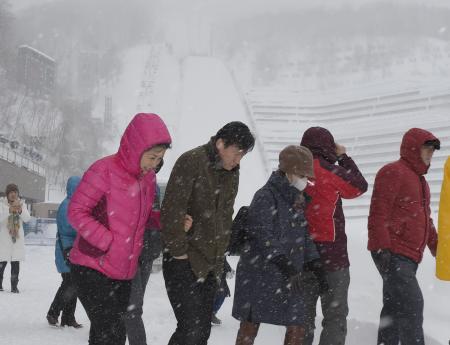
x,y
195,96
370,121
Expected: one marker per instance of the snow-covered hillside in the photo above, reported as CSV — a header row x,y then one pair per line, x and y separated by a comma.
x,y
195,97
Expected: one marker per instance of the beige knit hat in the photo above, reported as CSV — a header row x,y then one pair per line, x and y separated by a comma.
x,y
297,160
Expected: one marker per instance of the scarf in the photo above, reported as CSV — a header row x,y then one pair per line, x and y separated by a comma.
x,y
14,226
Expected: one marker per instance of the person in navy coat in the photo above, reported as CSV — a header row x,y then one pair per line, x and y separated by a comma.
x,y
278,249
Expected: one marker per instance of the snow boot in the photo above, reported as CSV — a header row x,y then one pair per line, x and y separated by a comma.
x,y
295,335
1,284
247,333
14,282
52,321
71,323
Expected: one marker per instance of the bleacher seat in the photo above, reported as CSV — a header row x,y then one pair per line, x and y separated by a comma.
x,y
370,121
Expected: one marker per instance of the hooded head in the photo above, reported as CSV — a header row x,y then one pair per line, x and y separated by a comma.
x,y
410,149
143,132
71,185
320,142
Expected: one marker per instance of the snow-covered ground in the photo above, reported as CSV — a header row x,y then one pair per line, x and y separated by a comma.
x,y
22,316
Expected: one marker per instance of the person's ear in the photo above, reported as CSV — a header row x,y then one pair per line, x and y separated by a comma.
x,y
220,145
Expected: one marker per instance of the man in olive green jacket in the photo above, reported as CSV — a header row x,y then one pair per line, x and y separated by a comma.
x,y
203,184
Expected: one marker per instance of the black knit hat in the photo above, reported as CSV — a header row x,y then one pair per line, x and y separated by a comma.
x,y
11,188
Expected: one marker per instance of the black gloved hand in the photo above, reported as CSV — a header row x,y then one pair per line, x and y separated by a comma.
x,y
286,267
316,267
384,259
313,266
66,254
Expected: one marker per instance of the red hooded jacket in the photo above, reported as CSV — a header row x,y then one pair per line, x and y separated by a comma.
x,y
399,218
333,182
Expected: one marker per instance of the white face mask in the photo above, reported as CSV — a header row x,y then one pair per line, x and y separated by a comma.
x,y
300,183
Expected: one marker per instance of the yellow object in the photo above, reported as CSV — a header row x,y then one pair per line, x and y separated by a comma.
x,y
443,251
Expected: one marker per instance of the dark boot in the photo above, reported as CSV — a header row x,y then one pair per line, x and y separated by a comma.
x,y
14,282
71,323
52,321
247,333
1,284
295,335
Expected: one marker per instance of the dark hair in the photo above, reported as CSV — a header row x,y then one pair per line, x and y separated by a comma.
x,y
160,146
236,133
159,166
163,146
434,143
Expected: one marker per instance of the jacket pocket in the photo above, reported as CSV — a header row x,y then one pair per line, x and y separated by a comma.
x,y
414,234
87,249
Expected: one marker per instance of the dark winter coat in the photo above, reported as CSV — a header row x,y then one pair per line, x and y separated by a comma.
x,y
275,228
399,218
332,183
65,235
200,187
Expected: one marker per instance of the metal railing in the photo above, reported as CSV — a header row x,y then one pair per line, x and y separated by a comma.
x,y
40,231
20,160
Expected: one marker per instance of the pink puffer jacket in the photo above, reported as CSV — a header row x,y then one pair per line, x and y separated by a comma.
x,y
112,204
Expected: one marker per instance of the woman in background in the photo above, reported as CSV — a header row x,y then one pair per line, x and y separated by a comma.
x,y
13,213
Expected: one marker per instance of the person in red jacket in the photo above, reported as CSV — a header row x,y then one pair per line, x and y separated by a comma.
x,y
329,281
400,227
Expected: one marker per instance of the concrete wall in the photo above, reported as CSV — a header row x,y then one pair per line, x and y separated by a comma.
x,y
31,185
45,209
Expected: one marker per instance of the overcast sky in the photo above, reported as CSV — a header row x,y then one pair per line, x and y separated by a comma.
x,y
244,6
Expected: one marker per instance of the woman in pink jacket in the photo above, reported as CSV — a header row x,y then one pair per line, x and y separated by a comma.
x,y
109,210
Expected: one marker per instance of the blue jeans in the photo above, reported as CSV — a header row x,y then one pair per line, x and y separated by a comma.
x,y
401,317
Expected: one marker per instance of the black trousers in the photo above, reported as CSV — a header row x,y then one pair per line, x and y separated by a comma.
x,y
401,317
192,302
15,268
105,301
65,300
133,318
